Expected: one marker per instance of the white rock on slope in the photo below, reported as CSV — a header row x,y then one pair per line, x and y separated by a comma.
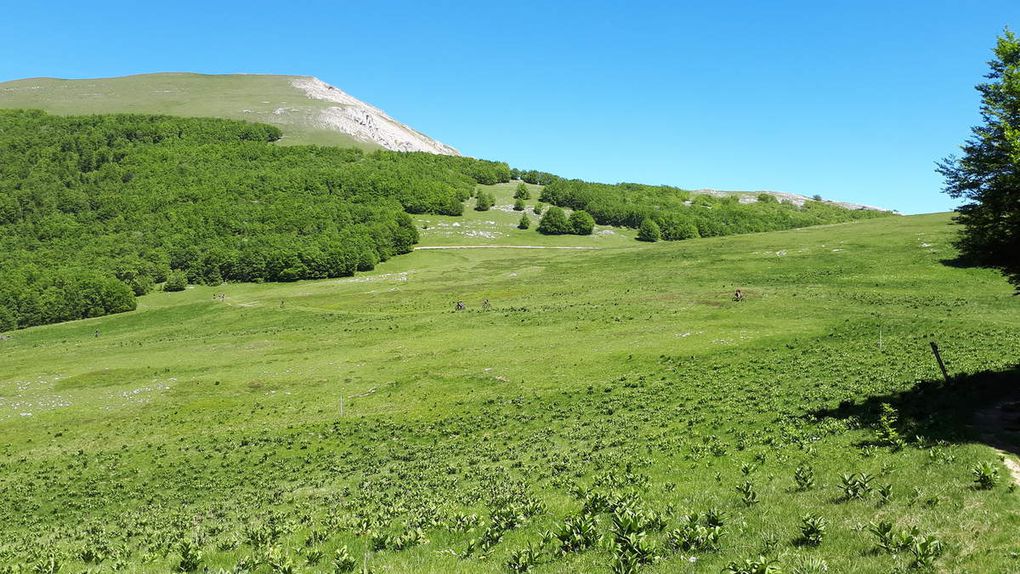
x,y
367,123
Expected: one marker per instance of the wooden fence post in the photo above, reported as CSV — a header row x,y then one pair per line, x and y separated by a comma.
x,y
938,357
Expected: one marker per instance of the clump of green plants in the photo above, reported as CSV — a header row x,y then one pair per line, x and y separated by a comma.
x,y
343,562
747,493
888,421
855,486
804,477
695,534
986,475
577,533
524,222
523,560
812,529
191,555
759,565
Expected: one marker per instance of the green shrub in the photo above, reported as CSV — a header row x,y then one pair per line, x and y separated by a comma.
x,y
176,281
554,222
986,475
767,198
522,192
524,223
581,223
484,201
649,231
518,205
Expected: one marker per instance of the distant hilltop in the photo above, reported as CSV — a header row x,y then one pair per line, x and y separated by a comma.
x,y
308,110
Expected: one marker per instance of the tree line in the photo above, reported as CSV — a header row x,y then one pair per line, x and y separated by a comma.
x,y
673,214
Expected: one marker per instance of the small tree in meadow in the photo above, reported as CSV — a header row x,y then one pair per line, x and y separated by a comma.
x,y
539,208
176,281
581,223
524,223
522,192
484,201
649,231
518,204
554,222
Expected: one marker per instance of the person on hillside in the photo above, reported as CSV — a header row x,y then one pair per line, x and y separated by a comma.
x,y
738,295
485,305
460,306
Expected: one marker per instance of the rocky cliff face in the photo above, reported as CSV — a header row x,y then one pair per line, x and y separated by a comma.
x,y
364,122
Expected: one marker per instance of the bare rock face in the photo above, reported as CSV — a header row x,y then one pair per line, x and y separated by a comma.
x,y
364,122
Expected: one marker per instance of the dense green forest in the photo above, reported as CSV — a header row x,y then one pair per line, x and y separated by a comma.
x,y
680,214
97,209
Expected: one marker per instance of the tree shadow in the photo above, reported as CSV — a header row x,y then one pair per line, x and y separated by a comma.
x,y
977,407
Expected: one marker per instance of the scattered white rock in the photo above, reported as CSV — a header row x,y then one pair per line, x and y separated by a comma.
x,y
365,122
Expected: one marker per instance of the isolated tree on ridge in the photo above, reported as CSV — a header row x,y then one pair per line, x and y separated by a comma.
x,y
988,174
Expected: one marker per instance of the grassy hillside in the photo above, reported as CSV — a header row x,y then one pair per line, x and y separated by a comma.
x,y
619,378
258,98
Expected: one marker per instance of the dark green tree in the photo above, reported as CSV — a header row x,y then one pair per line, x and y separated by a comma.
x,y
987,176
484,201
649,231
518,204
554,222
581,223
176,281
524,223
522,192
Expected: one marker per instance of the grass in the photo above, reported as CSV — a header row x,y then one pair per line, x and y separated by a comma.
x,y
624,371
250,97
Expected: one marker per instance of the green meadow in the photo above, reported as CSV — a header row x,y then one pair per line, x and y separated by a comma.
x,y
612,410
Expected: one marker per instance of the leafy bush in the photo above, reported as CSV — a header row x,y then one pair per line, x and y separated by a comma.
x,y
554,222
518,205
986,475
524,223
649,231
804,476
176,281
484,201
581,223
522,192
812,529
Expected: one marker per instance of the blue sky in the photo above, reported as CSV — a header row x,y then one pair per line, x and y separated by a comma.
x,y
853,100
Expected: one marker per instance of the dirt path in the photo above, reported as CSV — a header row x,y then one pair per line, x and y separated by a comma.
x,y
996,424
1012,465
500,247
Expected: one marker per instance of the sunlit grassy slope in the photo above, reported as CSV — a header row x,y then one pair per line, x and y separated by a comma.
x,y
624,368
252,97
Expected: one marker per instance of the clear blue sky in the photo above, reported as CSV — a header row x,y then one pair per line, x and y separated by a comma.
x,y
853,100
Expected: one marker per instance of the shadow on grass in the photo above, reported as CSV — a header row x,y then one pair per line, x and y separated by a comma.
x,y
982,407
